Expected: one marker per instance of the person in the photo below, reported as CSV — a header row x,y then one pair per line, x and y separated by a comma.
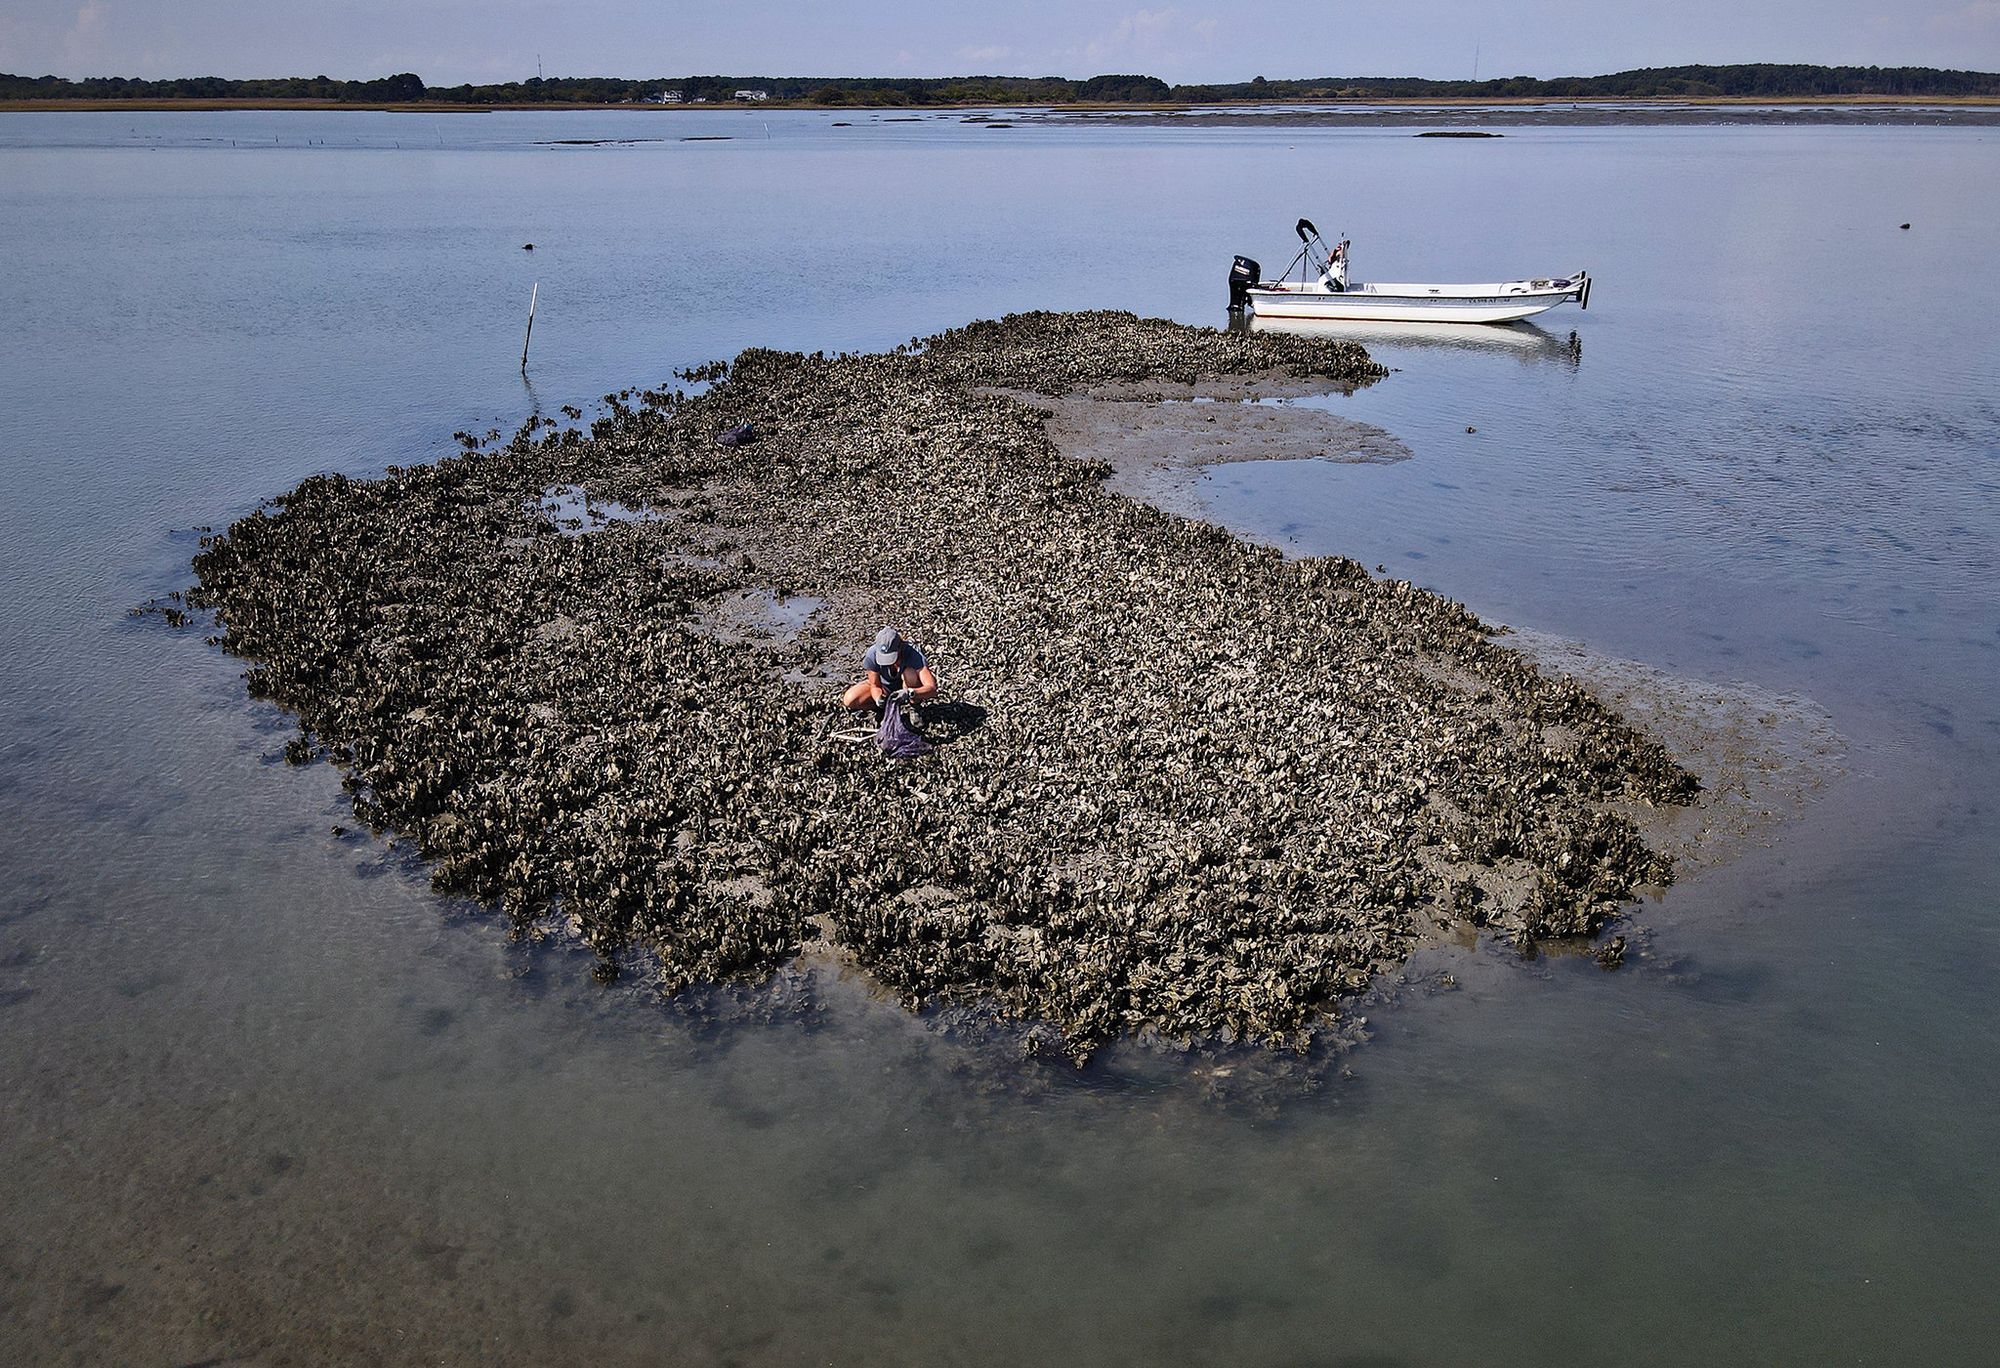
x,y
890,665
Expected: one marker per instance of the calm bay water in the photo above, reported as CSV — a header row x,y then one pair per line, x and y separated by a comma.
x,y
264,1098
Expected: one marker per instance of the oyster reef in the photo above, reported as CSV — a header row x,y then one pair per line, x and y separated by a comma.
x,y
1185,788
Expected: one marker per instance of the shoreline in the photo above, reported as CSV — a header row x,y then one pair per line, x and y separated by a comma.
x,y
1565,114
1604,109
1300,776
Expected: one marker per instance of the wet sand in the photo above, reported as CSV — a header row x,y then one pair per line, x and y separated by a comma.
x,y
1158,439
1763,758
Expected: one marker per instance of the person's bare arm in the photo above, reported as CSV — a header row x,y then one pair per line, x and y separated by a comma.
x,y
926,684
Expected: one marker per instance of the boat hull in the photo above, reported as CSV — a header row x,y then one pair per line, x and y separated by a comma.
x,y
1385,306
1528,342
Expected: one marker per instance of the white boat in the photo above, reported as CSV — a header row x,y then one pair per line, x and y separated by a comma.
x,y
1323,290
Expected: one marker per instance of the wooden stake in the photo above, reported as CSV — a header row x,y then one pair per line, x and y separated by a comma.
x,y
533,295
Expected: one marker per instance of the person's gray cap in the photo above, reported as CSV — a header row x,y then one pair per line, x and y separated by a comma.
x,y
887,645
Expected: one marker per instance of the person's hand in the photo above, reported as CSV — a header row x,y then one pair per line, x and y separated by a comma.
x,y
903,694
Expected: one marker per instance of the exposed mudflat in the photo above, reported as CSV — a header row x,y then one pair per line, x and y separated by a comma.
x,y
1762,757
1158,440
1187,789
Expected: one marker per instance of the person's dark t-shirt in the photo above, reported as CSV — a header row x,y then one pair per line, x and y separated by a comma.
x,y
909,660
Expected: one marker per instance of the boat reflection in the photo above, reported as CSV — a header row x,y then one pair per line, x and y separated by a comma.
x,y
1524,341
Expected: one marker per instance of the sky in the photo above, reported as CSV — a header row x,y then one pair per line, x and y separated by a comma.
x,y
452,41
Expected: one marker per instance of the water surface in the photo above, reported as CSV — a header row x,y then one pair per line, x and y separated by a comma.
x,y
263,1095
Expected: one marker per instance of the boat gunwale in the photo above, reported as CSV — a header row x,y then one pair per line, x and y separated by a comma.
x,y
1496,290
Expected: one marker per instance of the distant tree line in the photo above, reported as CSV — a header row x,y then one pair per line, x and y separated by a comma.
x,y
1753,81
403,89
1760,80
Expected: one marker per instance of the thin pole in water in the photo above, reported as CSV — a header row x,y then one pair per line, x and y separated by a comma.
x,y
533,295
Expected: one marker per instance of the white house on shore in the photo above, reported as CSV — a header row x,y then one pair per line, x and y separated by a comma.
x,y
752,95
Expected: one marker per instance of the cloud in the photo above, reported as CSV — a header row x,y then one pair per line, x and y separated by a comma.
x,y
455,66
85,40
1981,16
1148,38
990,53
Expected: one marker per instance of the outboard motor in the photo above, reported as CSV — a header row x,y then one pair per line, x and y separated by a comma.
x,y
1243,273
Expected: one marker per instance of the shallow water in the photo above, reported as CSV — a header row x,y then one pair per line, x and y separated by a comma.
x,y
263,1095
